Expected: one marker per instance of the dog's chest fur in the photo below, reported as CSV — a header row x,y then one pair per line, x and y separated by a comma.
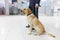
x,y
30,18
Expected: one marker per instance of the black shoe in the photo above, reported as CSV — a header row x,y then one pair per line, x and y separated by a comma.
x,y
28,26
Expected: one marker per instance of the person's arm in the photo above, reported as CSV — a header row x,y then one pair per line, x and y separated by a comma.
x,y
37,3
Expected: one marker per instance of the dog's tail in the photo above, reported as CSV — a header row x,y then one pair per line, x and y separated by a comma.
x,y
50,34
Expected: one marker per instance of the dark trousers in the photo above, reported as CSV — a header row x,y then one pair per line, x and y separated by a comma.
x,y
34,10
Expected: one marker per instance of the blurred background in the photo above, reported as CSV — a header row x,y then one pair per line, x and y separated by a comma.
x,y
13,27
13,7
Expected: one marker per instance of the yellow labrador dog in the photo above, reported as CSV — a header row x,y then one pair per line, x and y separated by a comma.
x,y
35,23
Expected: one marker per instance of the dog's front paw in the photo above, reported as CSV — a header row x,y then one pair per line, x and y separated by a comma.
x,y
28,26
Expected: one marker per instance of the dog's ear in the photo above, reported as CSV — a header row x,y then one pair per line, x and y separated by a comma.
x,y
29,10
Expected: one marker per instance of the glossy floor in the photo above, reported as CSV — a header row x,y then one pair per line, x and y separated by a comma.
x,y
13,28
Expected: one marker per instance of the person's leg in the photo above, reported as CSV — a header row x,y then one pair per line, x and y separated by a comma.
x,y
32,9
36,12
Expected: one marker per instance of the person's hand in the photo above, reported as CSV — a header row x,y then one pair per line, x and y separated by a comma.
x,y
36,5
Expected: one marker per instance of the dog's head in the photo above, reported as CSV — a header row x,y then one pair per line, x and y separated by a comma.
x,y
26,11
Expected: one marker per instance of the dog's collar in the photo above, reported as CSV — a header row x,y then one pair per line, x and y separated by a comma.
x,y
29,14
